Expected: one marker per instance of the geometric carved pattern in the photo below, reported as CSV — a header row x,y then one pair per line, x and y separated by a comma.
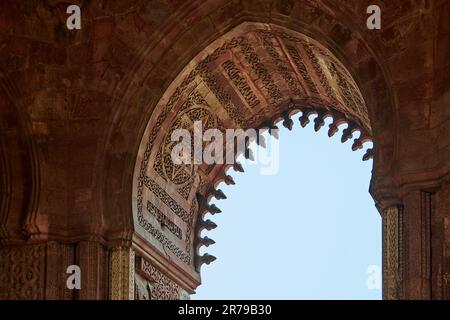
x,y
297,59
22,272
244,80
261,71
392,253
281,64
240,83
158,234
167,199
180,174
164,220
153,284
122,274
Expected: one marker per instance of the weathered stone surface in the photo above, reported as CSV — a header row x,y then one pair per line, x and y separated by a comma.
x,y
74,105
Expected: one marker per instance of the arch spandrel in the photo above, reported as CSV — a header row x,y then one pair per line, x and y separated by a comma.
x,y
248,78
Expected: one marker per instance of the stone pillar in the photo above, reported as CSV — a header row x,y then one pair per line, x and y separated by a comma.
x,y
122,276
418,212
416,242
392,253
424,244
22,272
92,259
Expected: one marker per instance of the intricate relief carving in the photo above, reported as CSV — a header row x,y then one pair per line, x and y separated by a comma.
x,y
164,220
239,115
245,81
349,91
22,272
309,49
283,68
155,285
185,191
392,253
298,61
240,83
158,164
143,288
274,94
159,236
167,199
122,274
195,109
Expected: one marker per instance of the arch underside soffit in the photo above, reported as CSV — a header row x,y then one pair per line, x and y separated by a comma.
x,y
252,77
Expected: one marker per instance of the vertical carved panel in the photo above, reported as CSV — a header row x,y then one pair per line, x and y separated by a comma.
x,y
91,258
418,212
440,228
152,284
446,261
392,253
122,274
22,272
59,257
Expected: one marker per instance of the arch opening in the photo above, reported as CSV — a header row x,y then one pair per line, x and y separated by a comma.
x,y
310,231
255,76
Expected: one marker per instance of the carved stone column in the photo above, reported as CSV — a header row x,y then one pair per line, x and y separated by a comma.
x,y
392,253
122,274
92,259
418,214
426,242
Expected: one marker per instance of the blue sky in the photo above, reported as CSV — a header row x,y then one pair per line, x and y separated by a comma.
x,y
308,232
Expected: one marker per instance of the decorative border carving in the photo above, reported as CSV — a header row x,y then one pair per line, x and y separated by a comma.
x,y
160,286
207,76
392,253
122,274
22,272
164,220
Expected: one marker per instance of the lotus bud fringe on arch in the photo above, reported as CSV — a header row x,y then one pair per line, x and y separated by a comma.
x,y
338,119
212,208
238,167
319,121
200,242
288,123
229,180
202,224
323,112
205,241
207,225
347,133
368,155
218,194
204,259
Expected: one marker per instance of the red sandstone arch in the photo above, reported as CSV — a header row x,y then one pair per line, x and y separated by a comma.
x,y
85,98
154,70
303,76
